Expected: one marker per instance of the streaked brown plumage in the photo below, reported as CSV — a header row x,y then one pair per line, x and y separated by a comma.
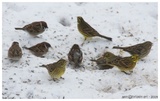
x,y
39,49
56,69
75,55
35,28
125,64
87,31
141,49
109,56
15,52
101,63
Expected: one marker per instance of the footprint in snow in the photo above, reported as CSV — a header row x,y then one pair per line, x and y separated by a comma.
x,y
65,22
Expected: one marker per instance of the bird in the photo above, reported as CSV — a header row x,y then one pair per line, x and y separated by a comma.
x,y
39,49
125,64
142,49
34,28
109,56
15,52
75,55
101,63
56,69
87,31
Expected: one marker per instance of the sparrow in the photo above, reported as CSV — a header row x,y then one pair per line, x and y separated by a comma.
x,y
75,55
142,49
35,28
39,49
56,69
15,52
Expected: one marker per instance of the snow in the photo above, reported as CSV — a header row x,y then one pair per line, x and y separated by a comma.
x,y
126,23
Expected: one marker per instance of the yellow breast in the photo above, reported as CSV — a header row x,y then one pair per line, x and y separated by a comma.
x,y
57,73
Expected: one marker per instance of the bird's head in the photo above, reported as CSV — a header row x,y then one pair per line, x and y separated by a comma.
x,y
75,46
44,24
80,19
15,43
135,57
62,62
47,45
108,55
148,43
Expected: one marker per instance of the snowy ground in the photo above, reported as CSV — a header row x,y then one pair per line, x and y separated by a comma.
x,y
126,23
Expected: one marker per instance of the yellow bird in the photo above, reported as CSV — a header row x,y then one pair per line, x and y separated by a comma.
x,y
56,69
142,49
87,31
125,64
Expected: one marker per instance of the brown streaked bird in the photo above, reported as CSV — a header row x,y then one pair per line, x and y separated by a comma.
x,y
125,64
39,49
35,28
141,49
87,31
101,63
75,55
15,52
56,69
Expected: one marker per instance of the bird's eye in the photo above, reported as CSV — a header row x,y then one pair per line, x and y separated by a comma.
x,y
79,20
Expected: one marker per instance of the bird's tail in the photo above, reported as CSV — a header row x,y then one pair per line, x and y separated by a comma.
x,y
108,38
19,29
117,47
25,47
93,60
42,66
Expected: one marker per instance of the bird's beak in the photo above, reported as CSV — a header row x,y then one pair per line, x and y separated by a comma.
x,y
51,47
46,28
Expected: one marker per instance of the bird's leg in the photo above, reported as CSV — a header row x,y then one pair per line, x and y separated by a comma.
x,y
121,52
42,56
68,64
84,41
36,37
76,65
126,73
83,67
61,78
75,70
142,59
11,60
51,79
80,67
55,80
131,71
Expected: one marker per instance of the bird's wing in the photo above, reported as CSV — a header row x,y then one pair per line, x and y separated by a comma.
x,y
51,67
38,48
90,30
126,62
